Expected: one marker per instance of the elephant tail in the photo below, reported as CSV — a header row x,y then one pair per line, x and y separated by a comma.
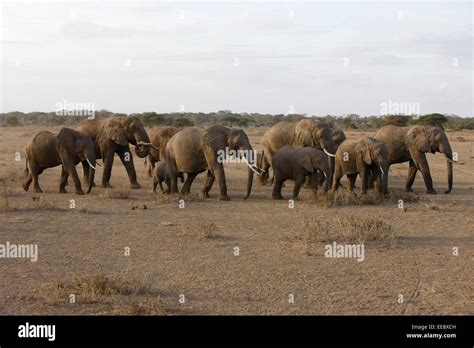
x,y
26,166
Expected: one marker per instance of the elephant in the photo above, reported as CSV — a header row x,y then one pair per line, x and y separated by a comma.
x,y
306,132
159,138
68,148
338,136
291,163
365,157
161,174
193,150
112,136
410,144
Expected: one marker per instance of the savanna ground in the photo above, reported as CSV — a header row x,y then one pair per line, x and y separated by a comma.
x,y
191,251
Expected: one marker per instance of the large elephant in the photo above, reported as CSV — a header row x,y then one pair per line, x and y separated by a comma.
x,y
296,164
159,138
365,157
68,148
409,144
113,136
306,132
193,150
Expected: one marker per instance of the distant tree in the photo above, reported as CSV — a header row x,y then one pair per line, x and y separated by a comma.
x,y
435,120
182,122
12,120
396,120
349,123
230,120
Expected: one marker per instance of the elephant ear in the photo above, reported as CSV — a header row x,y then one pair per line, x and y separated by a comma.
x,y
114,129
304,133
418,138
306,162
216,137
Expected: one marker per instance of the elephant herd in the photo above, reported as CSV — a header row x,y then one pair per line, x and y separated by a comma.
x,y
308,150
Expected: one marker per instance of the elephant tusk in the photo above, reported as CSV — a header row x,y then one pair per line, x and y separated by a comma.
x,y
383,173
452,161
140,142
248,164
90,163
327,153
325,175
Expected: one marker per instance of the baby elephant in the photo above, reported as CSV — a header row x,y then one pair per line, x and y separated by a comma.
x,y
160,174
364,157
296,164
68,148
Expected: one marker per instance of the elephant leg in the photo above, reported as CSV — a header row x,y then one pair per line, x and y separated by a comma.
x,y
108,162
128,164
155,183
26,184
277,187
217,170
337,178
63,182
351,178
207,187
29,178
35,173
173,174
263,178
85,170
411,176
186,189
70,168
424,168
307,182
168,185
299,181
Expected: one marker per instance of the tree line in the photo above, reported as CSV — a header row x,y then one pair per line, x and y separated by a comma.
x,y
229,118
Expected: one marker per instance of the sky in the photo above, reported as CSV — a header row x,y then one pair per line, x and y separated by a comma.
x,y
311,57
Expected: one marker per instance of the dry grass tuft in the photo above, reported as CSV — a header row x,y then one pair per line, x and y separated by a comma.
x,y
43,203
117,193
344,197
120,294
176,197
206,230
4,192
351,229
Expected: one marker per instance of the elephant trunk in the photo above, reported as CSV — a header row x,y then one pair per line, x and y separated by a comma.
x,y
92,164
445,148
249,153
449,165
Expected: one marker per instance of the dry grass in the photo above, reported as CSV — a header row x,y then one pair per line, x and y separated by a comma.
x,y
43,203
343,197
348,229
4,202
117,193
120,294
206,230
176,197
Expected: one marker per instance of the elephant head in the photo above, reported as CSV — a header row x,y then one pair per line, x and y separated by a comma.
x,y
374,153
314,160
338,137
439,143
311,132
80,147
432,139
124,130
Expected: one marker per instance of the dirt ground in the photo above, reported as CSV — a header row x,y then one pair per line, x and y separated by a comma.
x,y
192,251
